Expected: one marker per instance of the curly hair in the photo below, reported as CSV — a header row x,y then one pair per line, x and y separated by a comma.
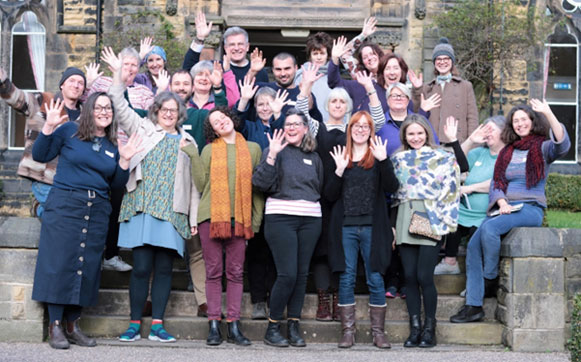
x,y
209,130
158,102
540,125
358,54
318,41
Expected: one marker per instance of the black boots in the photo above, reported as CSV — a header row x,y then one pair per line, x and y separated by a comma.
x,y
490,287
468,314
235,334
273,336
214,335
429,333
56,336
294,334
415,332
76,336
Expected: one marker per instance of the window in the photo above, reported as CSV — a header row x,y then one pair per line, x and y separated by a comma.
x,y
561,83
27,69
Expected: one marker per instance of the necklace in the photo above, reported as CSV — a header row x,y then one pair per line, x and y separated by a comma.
x,y
97,142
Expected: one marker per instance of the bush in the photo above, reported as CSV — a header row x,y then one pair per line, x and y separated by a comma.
x,y
564,192
574,344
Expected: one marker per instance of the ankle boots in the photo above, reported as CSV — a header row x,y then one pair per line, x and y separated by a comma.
x,y
428,333
377,316
324,306
214,334
415,332
273,336
76,336
235,334
56,336
421,337
293,334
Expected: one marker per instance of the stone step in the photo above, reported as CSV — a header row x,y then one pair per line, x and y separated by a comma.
x,y
484,333
183,304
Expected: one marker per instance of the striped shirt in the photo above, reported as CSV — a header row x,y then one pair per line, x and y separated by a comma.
x,y
292,207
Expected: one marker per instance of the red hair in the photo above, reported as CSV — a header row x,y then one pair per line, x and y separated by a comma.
x,y
368,159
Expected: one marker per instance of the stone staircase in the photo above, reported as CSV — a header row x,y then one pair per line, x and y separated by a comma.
x,y
110,317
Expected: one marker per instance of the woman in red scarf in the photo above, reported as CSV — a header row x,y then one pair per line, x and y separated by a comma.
x,y
534,138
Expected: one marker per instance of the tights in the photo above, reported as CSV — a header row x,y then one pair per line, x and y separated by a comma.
x,y
145,259
56,312
419,262
322,275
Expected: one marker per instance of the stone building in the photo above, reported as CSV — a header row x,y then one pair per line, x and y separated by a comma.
x,y
40,38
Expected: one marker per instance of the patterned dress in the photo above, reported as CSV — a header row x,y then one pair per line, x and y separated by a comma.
x,y
147,215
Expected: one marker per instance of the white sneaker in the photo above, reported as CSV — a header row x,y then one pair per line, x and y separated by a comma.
x,y
445,268
117,264
463,293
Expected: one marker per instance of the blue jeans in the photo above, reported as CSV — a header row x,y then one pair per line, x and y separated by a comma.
x,y
357,238
482,255
40,191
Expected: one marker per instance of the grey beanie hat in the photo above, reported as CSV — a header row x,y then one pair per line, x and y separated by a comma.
x,y
443,48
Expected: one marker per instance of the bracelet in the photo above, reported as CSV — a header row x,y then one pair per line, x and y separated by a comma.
x,y
271,158
217,88
372,92
199,41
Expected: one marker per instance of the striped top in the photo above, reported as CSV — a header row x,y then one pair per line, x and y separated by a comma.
x,y
292,207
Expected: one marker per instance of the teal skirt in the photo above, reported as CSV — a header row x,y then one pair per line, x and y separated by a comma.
x,y
144,229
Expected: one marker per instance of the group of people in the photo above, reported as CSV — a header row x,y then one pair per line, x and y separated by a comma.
x,y
300,175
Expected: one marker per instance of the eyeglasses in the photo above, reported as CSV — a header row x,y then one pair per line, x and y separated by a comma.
x,y
363,127
443,59
99,109
172,111
397,96
293,125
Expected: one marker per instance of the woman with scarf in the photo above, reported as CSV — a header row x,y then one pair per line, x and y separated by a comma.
x,y
534,138
429,179
229,214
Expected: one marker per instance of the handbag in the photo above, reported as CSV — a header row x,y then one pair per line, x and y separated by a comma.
x,y
420,225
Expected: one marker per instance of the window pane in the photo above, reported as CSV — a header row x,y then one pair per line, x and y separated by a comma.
x,y
17,123
22,74
562,79
567,116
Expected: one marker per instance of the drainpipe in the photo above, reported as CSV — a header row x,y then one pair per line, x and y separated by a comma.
x,y
98,31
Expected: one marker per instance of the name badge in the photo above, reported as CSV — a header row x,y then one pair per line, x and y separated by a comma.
x,y
308,162
110,154
187,127
477,163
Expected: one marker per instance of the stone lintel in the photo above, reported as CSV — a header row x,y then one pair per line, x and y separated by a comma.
x,y
19,232
265,22
526,242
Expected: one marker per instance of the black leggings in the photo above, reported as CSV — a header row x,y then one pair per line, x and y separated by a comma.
x,y
292,240
145,259
56,312
453,239
419,262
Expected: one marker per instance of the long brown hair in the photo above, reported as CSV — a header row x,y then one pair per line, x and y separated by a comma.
x,y
383,63
86,121
540,125
368,159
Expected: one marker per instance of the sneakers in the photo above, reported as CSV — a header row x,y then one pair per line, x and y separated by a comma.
x,y
259,311
161,335
130,335
117,264
463,293
391,292
445,268
468,314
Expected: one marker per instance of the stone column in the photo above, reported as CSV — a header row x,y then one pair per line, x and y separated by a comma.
x,y
532,296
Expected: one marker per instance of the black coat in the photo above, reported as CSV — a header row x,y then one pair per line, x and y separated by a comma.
x,y
381,234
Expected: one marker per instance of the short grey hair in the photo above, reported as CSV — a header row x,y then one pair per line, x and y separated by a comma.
x,y
130,52
402,87
235,30
264,91
340,93
499,121
158,102
201,66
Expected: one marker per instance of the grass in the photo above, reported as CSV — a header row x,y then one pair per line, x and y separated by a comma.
x,y
563,219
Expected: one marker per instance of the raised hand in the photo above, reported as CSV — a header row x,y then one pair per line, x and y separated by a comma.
x,y
365,79
216,76
130,149
257,62
480,133
540,106
369,26
378,148
145,46
277,143
161,80
416,80
339,48
109,57
451,128
3,75
339,155
310,73
53,115
226,62
203,29
247,88
279,102
432,102
92,73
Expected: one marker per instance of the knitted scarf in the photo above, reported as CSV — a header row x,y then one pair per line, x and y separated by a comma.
x,y
535,164
433,176
220,214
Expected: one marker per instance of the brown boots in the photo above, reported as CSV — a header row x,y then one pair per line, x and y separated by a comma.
x,y
377,316
347,314
324,307
76,336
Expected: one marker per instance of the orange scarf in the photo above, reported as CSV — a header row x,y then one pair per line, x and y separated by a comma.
x,y
220,214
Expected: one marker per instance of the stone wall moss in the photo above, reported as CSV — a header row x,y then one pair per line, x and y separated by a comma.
x,y
574,344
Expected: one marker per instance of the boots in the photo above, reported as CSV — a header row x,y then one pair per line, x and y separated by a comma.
x,y
214,334
336,314
324,307
415,332
235,334
347,325
273,336
429,333
76,336
56,336
293,334
377,316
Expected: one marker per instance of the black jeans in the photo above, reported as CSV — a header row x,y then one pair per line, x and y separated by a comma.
x,y
145,259
453,239
419,262
292,240
260,265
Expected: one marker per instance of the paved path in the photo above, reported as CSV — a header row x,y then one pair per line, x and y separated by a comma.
x,y
114,351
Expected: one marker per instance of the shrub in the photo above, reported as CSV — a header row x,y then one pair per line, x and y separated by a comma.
x,y
574,344
564,192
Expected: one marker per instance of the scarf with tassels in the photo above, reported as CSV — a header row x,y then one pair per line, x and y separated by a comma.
x,y
535,163
220,214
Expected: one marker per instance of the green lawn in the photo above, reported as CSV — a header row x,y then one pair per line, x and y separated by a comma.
x,y
563,219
